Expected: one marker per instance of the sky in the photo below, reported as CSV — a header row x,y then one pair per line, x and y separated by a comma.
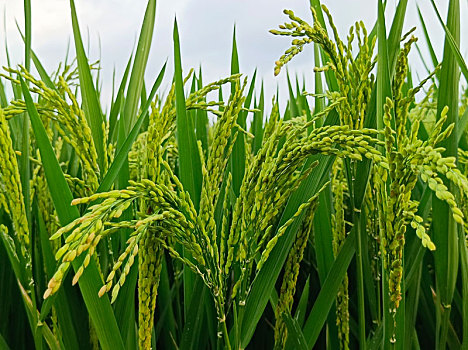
x,y
110,29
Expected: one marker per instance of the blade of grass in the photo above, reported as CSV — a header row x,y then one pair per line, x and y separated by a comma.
x,y
39,67
20,272
462,124
11,254
89,95
319,102
121,156
383,92
60,194
27,31
323,238
234,59
238,155
323,243
329,75
238,151
166,324
189,159
298,340
445,235
423,59
388,50
25,165
125,310
412,303
435,61
326,297
264,282
139,66
15,124
117,105
323,231
124,305
64,315
195,314
3,97
49,337
99,308
258,121
394,37
464,275
293,104
3,343
453,40
300,313
202,119
189,173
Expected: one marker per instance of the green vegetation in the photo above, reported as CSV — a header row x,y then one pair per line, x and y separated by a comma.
x,y
340,223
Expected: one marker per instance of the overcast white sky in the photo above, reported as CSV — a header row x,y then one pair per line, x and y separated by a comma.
x,y
205,32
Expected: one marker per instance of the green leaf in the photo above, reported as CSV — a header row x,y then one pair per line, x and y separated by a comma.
x,y
257,123
234,59
166,325
294,110
116,106
202,119
191,334
121,156
265,280
49,337
462,124
25,166
3,343
300,313
27,23
238,150
319,102
189,159
99,308
394,37
464,274
59,190
11,253
295,334
139,66
323,238
383,73
383,91
330,78
453,42
435,62
92,108
64,314
445,235
238,155
3,97
328,292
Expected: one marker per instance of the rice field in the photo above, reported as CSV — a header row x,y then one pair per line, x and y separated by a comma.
x,y
180,218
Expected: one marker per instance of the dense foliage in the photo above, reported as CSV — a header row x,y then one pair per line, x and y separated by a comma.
x,y
189,221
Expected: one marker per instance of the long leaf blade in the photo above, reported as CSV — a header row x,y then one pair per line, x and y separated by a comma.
x,y
92,107
135,84
99,309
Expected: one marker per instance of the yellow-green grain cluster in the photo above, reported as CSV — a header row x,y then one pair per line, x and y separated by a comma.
x,y
11,195
339,188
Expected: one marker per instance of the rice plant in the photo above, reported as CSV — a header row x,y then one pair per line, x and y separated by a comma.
x,y
182,220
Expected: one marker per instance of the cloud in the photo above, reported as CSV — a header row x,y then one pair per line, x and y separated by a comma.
x,y
205,30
